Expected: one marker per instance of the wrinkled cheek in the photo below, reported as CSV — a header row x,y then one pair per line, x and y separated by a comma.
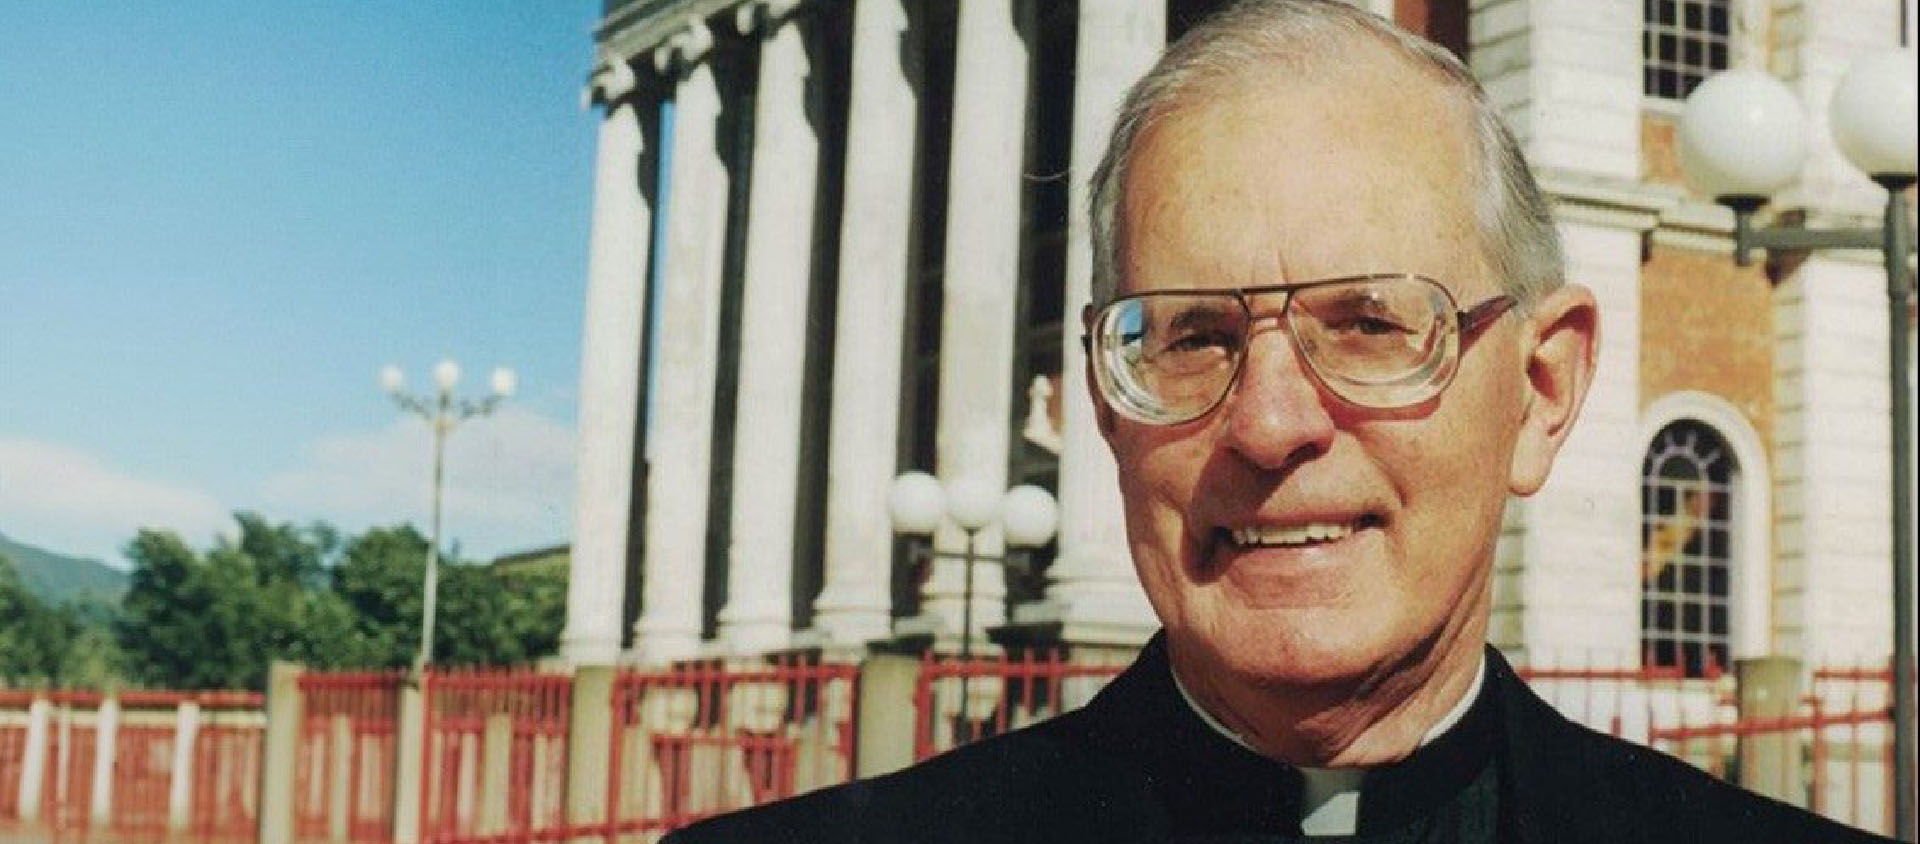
x,y
1158,541
1159,470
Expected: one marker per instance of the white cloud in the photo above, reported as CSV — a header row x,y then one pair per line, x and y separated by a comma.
x,y
66,500
509,481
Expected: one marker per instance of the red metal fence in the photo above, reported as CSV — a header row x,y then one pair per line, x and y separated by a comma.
x,y
686,742
1829,750
15,714
495,734
696,740
227,760
180,764
344,770
66,795
957,701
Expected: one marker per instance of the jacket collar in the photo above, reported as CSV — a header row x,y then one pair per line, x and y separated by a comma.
x,y
1206,783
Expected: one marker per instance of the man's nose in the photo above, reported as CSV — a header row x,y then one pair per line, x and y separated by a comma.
x,y
1275,415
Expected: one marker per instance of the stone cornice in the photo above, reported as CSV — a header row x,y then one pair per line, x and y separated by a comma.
x,y
641,26
757,15
1693,223
610,83
684,49
1605,201
1666,215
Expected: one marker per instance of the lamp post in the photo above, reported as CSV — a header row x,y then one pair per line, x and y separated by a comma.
x,y
1741,139
918,503
443,413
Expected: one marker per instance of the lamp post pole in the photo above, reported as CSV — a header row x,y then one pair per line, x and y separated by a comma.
x,y
430,596
443,412
1899,299
918,504
1741,140
966,635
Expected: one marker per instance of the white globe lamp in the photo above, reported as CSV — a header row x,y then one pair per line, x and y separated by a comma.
x,y
504,382
915,504
1029,516
1873,115
972,502
392,380
446,375
1742,136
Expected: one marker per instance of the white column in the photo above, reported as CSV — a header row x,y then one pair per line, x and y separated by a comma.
x,y
779,257
1832,443
1831,433
186,731
982,284
855,603
1566,75
610,372
1094,596
681,432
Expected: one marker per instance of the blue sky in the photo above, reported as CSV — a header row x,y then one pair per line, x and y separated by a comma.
x,y
219,219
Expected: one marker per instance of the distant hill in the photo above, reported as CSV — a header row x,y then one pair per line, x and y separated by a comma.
x,y
56,578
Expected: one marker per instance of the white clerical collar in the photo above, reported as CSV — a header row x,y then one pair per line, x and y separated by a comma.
x,y
1330,797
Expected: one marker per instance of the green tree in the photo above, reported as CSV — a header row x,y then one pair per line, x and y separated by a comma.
x,y
34,637
480,617
490,619
280,591
93,659
216,620
379,579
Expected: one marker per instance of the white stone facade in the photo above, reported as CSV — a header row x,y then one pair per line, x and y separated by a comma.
x,y
891,153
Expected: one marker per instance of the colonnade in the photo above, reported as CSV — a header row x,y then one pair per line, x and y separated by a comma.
x,y
665,385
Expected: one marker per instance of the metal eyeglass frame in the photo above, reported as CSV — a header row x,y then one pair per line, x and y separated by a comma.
x,y
1466,324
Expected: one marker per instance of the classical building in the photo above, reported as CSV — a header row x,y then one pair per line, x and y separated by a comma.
x,y
834,240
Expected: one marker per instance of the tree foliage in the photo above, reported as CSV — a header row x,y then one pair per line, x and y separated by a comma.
x,y
42,644
302,593
33,636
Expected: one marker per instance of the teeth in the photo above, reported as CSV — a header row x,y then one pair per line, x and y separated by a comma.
x,y
1294,535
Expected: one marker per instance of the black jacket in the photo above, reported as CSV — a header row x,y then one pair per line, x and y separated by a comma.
x,y
1136,765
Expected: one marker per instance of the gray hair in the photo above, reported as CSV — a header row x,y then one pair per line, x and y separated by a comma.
x,y
1519,244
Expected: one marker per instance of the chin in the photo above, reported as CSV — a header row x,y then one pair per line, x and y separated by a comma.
x,y
1305,648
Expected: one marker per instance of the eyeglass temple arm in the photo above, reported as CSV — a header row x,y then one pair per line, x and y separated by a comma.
x,y
1479,315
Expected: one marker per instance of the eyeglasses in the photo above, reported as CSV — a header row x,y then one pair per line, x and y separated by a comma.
x,y
1167,357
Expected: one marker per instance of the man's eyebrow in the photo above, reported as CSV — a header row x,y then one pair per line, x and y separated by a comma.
x,y
1192,315
1355,297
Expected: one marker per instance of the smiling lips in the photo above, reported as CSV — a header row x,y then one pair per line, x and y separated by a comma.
x,y
1297,535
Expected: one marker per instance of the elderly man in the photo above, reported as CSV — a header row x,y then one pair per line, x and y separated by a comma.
x,y
1329,340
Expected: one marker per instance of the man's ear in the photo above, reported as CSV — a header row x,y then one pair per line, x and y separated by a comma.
x,y
1562,334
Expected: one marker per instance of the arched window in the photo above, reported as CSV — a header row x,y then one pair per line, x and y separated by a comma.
x,y
1688,484
1684,41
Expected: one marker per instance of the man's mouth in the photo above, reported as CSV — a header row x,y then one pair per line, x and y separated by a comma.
x,y
1301,535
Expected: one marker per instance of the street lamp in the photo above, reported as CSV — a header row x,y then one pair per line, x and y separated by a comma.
x,y
918,503
443,412
1741,139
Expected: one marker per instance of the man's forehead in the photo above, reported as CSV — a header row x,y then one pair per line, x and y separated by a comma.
x,y
1337,173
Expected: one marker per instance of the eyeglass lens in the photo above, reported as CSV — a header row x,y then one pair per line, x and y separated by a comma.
x,y
1376,342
